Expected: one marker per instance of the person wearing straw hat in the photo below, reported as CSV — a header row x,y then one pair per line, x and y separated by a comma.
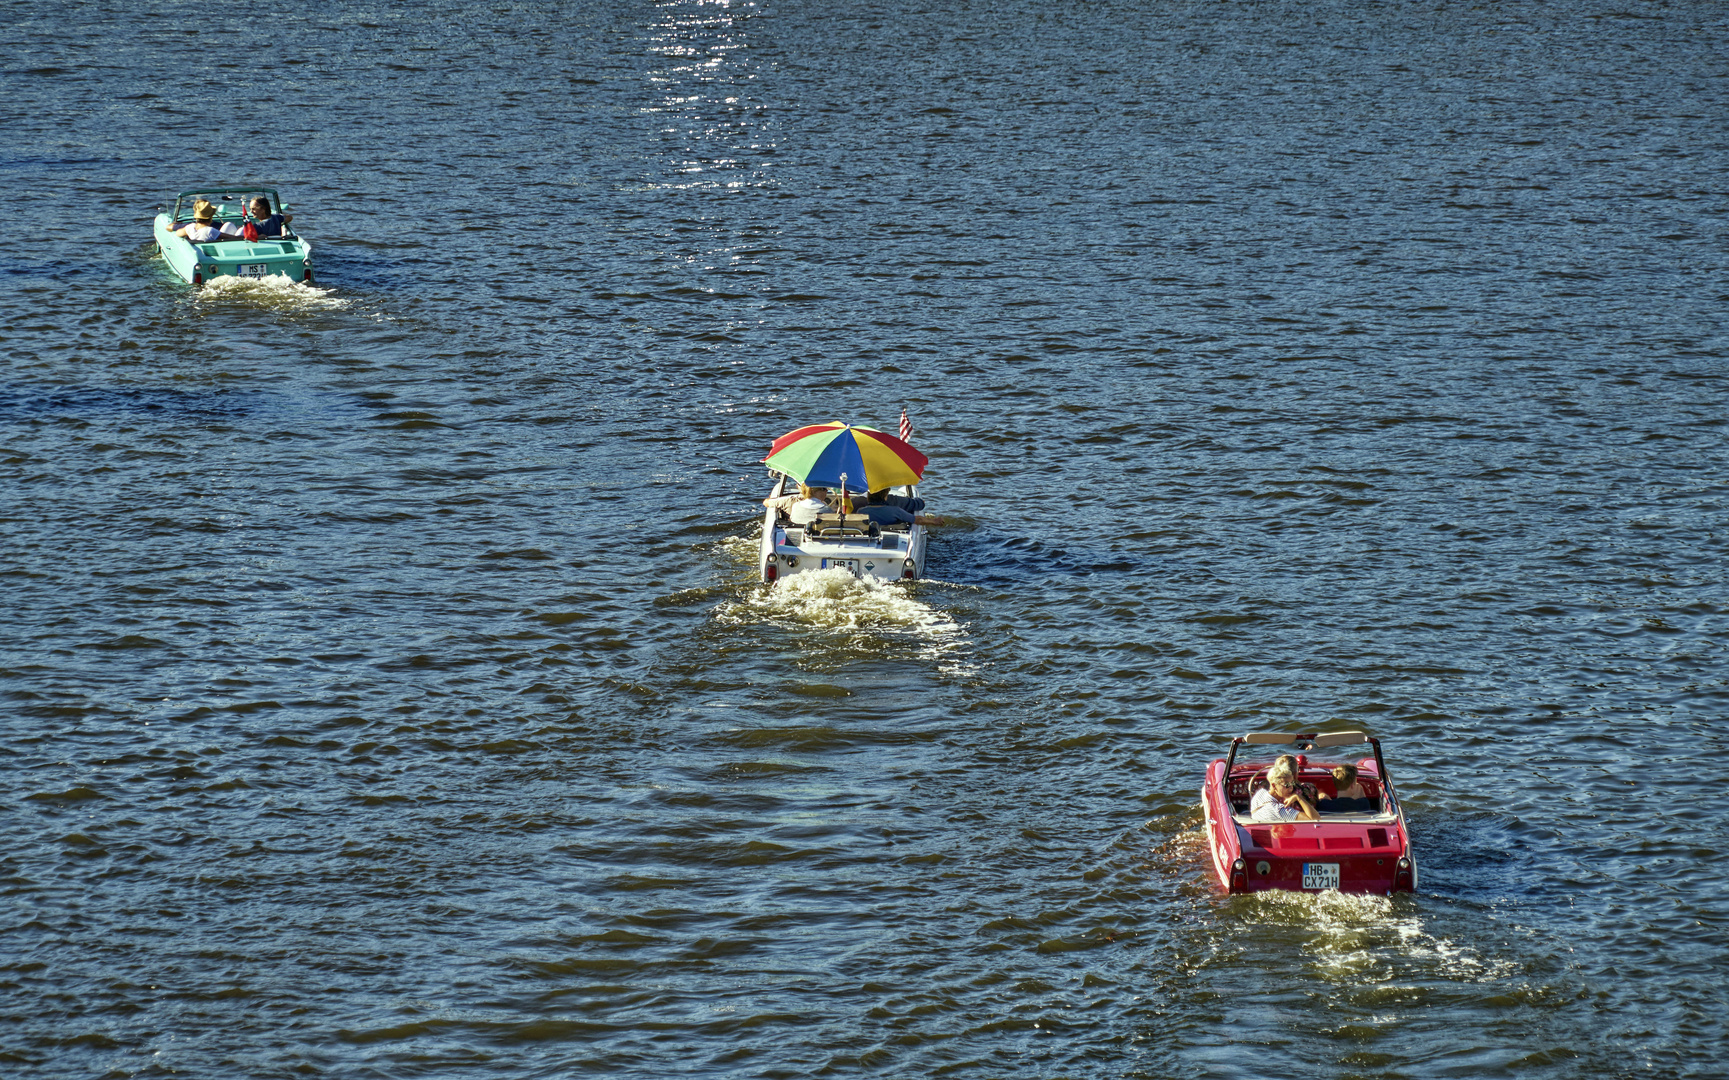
x,y
202,228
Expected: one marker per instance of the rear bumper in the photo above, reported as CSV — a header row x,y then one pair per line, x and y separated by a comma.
x,y
860,562
1285,875
893,557
264,259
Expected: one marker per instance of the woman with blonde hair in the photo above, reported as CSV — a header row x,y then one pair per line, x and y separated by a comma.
x,y
803,507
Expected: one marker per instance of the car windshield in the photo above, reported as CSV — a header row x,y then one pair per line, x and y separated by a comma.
x,y
1263,748
230,202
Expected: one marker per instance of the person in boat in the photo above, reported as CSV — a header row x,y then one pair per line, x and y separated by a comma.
x,y
1346,784
803,507
270,226
1282,801
912,504
202,228
1295,764
879,509
1351,798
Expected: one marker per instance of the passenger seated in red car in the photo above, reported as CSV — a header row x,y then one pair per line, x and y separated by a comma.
x,y
1351,798
1345,785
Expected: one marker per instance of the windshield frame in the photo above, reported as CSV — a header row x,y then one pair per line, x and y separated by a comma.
x,y
225,199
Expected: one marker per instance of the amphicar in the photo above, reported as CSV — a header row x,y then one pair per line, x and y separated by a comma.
x,y
1364,849
850,542
287,255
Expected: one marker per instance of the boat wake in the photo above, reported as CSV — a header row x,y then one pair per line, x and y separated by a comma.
x,y
1354,937
848,615
276,293
834,598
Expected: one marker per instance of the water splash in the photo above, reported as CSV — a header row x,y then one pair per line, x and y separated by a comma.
x,y
277,293
836,599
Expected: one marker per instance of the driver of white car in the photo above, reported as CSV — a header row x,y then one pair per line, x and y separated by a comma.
x,y
804,507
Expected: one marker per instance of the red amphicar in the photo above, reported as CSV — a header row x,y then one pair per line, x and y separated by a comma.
x,y
1355,844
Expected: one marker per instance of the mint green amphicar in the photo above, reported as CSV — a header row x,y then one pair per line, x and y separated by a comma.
x,y
284,255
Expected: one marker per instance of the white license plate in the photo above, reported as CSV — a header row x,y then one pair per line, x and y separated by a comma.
x,y
252,270
850,565
1320,875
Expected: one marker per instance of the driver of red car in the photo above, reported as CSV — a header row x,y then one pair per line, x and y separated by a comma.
x,y
1282,800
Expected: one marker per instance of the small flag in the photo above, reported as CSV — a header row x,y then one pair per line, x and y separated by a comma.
x,y
906,426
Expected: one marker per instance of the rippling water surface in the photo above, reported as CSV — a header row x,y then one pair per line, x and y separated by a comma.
x,y
388,693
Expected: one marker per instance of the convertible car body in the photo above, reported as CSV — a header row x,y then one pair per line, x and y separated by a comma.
x,y
1354,848
849,542
286,255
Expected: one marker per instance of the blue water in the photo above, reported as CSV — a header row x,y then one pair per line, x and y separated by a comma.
x,y
388,691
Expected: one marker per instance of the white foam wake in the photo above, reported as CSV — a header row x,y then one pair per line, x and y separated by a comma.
x,y
834,598
276,292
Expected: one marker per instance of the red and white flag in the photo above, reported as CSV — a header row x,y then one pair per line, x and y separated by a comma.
x,y
906,426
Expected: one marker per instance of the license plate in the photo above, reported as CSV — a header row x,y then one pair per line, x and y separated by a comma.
x,y
1320,875
850,565
252,270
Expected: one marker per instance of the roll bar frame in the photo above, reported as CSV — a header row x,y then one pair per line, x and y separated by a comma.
x,y
1308,741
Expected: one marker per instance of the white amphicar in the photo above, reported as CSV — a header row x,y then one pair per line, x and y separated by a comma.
x,y
884,541
850,542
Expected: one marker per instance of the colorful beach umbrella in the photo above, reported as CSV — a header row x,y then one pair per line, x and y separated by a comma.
x,y
870,459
